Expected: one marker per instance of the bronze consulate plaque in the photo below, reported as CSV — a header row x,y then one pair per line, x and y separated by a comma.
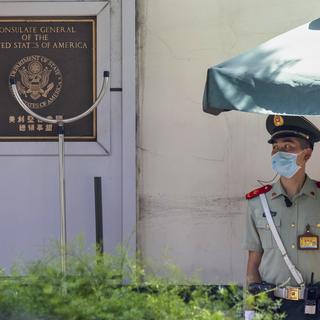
x,y
53,61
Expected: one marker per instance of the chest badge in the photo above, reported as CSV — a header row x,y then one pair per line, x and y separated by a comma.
x,y
308,240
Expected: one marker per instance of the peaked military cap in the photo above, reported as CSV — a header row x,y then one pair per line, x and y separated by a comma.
x,y
292,126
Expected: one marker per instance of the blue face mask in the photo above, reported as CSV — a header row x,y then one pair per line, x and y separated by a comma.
x,y
285,164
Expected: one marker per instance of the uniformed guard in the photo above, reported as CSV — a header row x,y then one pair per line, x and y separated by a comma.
x,y
283,222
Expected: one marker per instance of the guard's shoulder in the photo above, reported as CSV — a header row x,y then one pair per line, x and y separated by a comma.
x,y
256,192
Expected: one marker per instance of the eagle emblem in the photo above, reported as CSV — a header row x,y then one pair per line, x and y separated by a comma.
x,y
34,81
38,79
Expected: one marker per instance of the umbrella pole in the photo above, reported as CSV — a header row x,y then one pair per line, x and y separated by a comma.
x,y
63,231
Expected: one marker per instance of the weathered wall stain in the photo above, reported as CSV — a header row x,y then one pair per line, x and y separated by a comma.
x,y
221,207
194,169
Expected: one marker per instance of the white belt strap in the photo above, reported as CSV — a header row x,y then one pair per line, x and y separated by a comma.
x,y
294,271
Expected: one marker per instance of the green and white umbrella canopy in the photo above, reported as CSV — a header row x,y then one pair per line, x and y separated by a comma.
x,y
281,76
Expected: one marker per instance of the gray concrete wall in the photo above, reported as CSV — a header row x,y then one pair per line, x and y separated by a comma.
x,y
194,169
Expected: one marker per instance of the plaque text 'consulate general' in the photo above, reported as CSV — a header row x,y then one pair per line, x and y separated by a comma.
x,y
53,61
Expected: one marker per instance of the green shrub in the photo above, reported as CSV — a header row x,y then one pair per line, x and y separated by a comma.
x,y
115,288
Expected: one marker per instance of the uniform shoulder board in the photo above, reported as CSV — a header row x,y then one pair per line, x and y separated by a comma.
x,y
259,191
318,184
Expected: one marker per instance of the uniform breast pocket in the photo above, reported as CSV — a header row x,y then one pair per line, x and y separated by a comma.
x,y
314,223
265,234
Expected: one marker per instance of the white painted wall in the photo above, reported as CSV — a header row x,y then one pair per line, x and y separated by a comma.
x,y
194,168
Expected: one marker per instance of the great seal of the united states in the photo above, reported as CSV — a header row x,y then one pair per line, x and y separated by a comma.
x,y
39,81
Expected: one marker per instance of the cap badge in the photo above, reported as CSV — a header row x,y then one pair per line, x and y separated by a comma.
x,y
278,121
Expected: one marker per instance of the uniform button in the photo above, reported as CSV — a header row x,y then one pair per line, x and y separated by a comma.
x,y
293,246
293,225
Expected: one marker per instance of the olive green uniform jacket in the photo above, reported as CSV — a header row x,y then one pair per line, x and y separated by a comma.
x,y
290,222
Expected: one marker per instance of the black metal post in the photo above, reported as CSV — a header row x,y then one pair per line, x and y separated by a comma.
x,y
99,220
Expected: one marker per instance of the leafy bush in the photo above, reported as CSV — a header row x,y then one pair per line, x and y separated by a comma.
x,y
109,287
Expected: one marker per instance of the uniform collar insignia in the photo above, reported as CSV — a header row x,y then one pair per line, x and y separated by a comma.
x,y
309,189
277,190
